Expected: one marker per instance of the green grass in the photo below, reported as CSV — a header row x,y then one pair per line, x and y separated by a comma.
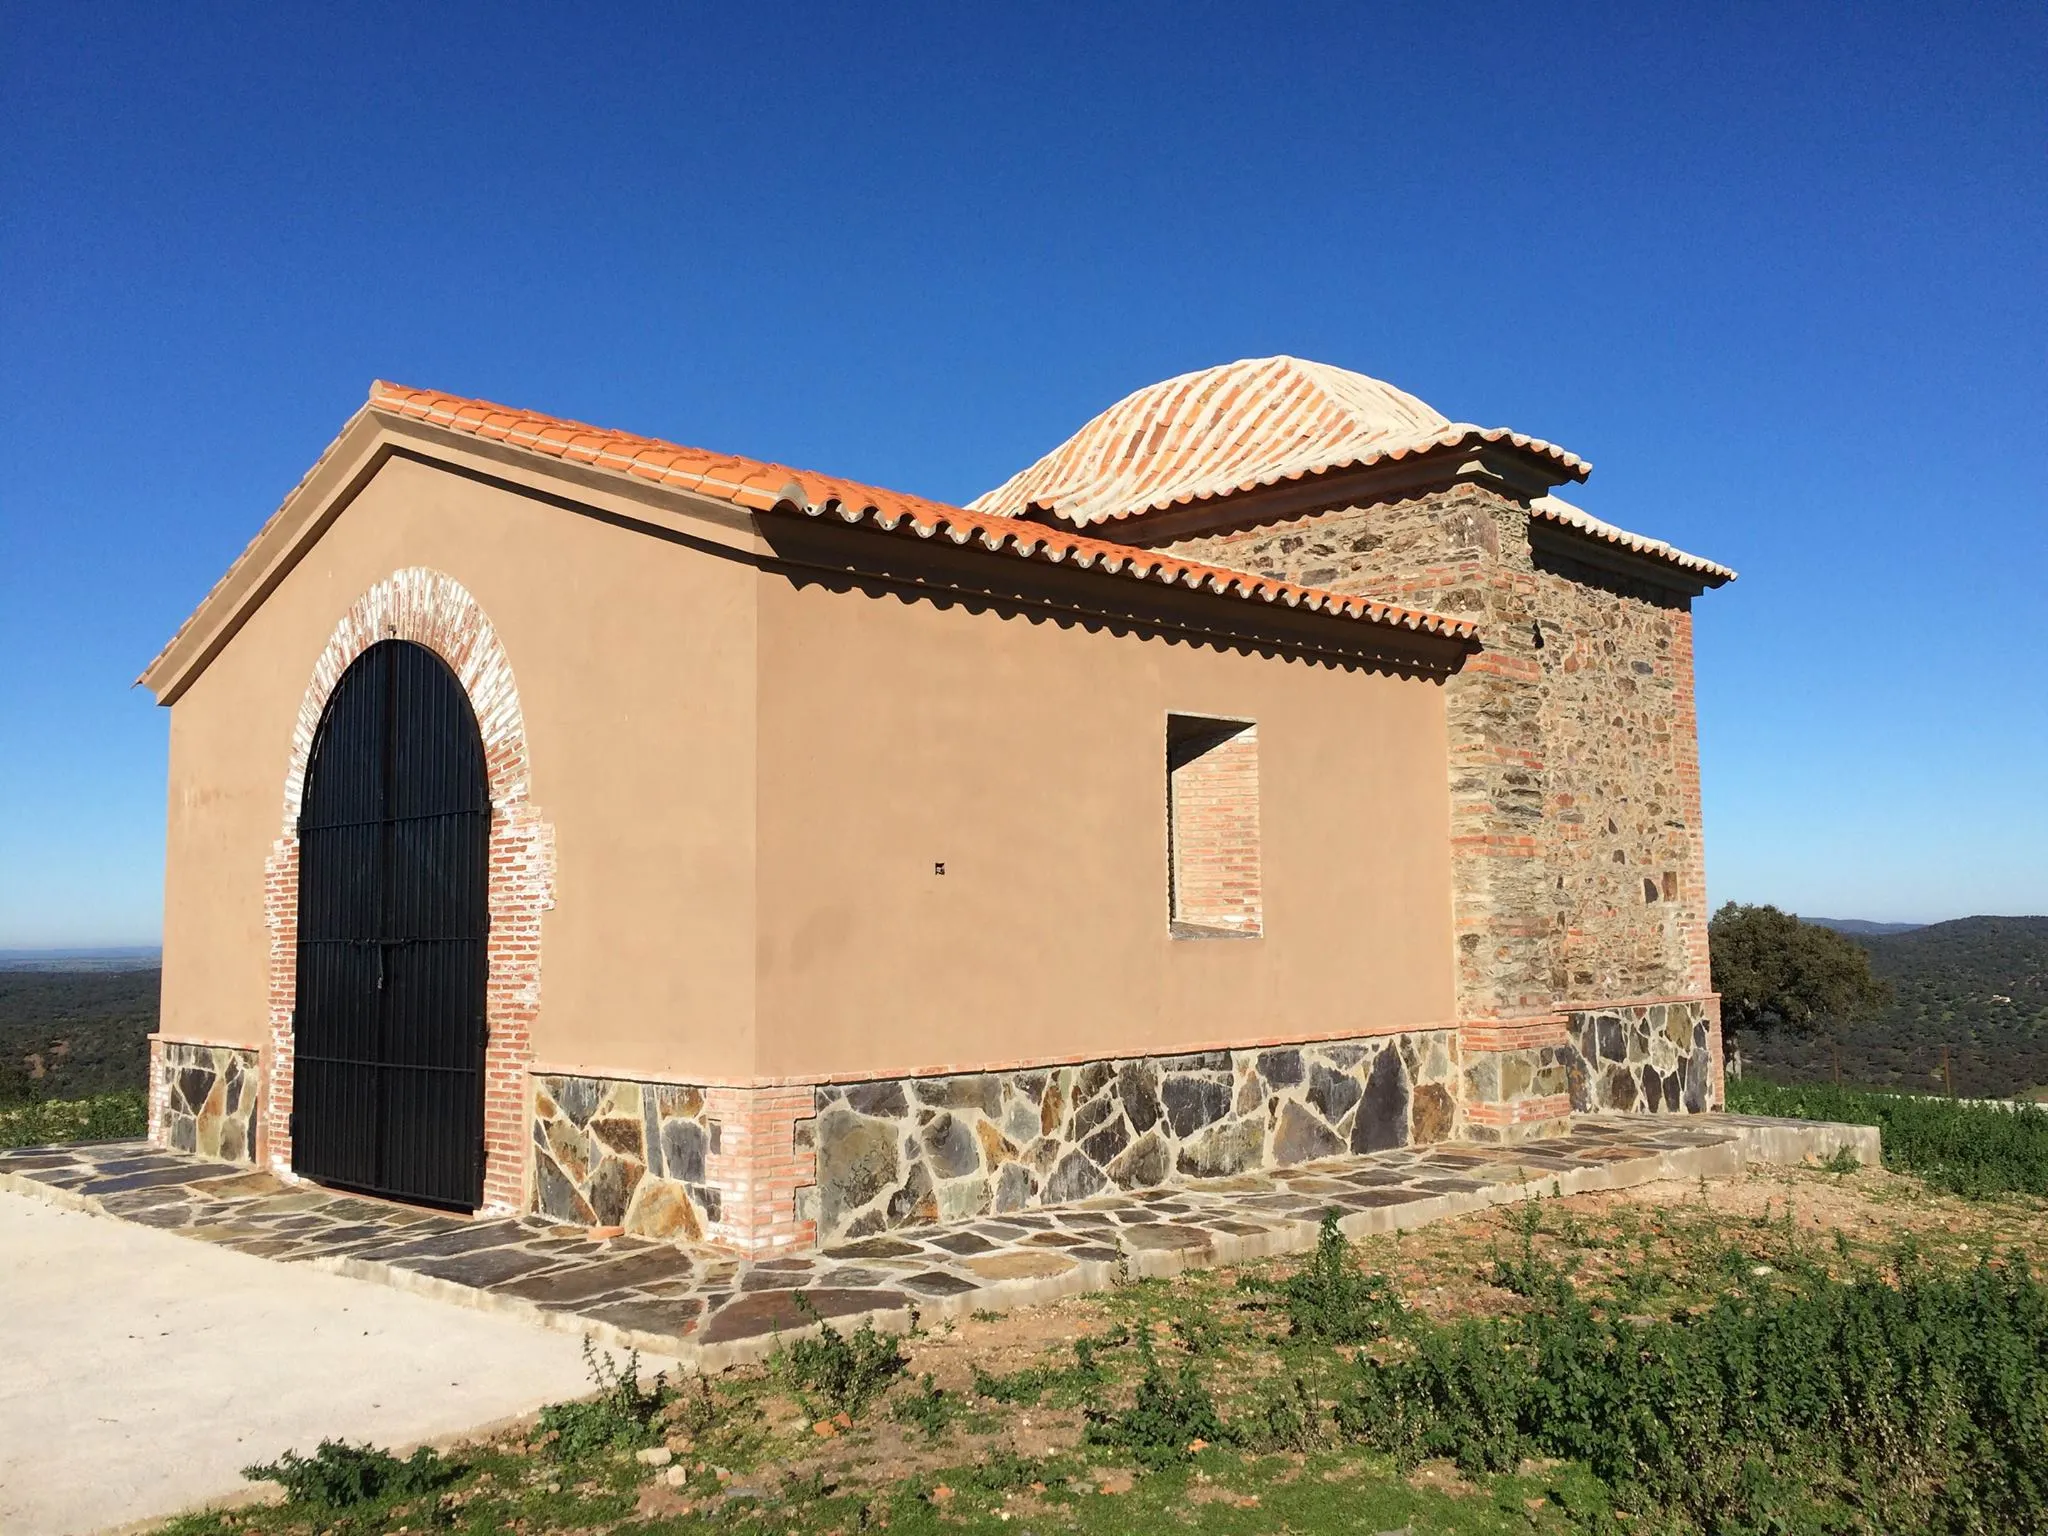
x,y
1975,1150
1566,1366
1900,1401
103,1117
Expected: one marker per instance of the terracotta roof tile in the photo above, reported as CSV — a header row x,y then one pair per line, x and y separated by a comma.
x,y
1239,427
765,487
1555,509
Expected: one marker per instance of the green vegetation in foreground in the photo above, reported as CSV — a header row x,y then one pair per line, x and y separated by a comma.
x,y
104,1117
1675,1371
1968,1149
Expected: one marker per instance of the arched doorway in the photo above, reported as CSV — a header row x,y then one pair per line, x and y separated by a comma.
x,y
393,925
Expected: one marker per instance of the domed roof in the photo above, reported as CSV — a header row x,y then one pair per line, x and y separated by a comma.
x,y
1235,428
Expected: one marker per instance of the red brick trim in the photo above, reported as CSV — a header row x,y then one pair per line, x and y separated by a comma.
x,y
433,610
963,1069
1555,1106
1514,1034
1638,1002
758,1166
225,1045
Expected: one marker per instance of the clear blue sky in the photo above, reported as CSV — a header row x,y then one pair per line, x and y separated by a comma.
x,y
1781,273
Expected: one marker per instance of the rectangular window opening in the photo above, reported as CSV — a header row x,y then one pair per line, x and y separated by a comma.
x,y
1212,828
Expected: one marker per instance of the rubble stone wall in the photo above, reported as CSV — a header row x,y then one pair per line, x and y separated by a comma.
x,y
1622,845
908,1152
203,1099
1656,1058
611,1153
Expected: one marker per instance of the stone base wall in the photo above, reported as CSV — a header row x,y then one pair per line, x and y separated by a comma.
x,y
912,1151
203,1098
764,1170
609,1153
1645,1058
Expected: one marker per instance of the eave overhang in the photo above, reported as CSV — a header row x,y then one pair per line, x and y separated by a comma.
x,y
618,476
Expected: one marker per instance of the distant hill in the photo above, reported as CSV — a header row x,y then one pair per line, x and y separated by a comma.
x,y
1859,928
127,958
66,1034
1976,985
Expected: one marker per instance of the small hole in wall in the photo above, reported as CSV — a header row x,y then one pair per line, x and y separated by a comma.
x,y
1670,885
713,1136
1649,889
938,866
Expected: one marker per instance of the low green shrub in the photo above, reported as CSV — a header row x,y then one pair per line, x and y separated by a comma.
x,y
1165,1419
1286,1415
1329,1300
1530,1273
849,1373
1968,1149
339,1475
103,1117
623,1416
1024,1388
1919,1402
928,1408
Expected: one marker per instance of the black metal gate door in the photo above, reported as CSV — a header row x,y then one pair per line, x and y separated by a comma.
x,y
394,866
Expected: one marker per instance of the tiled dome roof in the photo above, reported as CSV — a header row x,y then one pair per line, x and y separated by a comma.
x,y
1235,428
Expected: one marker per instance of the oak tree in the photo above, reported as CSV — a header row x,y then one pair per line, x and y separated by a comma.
x,y
1771,969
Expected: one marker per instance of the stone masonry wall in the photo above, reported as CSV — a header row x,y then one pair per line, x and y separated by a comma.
x,y
1654,1058
722,1165
909,1152
609,1153
1621,790
203,1099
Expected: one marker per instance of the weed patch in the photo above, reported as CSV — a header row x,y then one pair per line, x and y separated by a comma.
x,y
849,1373
1329,1299
927,1408
623,1416
1166,1419
1531,1274
341,1476
1026,1387
1920,1402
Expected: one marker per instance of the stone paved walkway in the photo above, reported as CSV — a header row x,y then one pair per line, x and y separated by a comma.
x,y
713,1309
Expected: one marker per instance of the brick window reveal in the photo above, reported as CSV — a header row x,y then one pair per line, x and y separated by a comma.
x,y
1212,826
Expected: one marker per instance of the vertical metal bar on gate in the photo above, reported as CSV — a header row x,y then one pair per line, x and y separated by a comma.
x,y
393,922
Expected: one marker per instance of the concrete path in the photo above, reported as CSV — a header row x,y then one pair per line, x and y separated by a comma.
x,y
139,1372
712,1310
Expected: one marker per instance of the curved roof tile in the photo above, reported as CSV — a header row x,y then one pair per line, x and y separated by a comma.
x,y
1238,427
764,487
1555,509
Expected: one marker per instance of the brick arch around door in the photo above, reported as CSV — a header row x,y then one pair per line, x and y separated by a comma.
x,y
435,611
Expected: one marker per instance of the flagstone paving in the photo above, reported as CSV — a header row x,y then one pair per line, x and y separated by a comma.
x,y
713,1309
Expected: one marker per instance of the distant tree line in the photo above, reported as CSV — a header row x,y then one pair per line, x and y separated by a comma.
x,y
1956,1006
